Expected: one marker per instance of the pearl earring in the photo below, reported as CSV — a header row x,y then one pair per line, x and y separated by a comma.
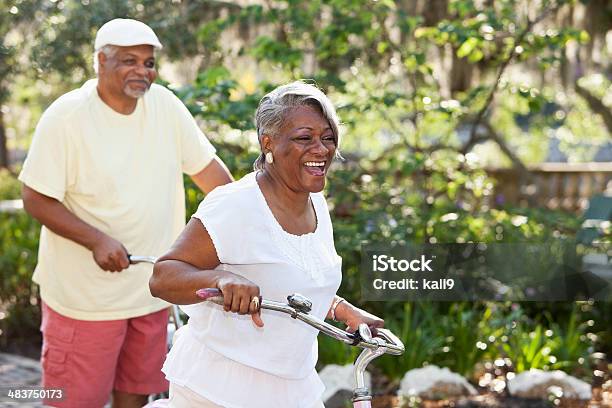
x,y
269,158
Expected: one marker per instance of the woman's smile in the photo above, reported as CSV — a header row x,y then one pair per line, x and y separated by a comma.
x,y
315,168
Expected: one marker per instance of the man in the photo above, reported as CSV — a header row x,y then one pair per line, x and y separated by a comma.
x,y
104,177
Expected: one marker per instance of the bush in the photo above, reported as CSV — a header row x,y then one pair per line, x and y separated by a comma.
x,y
456,335
19,316
461,335
10,187
407,198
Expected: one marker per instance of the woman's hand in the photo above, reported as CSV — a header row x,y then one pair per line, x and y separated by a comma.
x,y
238,296
353,316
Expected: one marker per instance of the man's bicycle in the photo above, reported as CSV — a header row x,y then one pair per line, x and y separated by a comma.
x,y
299,307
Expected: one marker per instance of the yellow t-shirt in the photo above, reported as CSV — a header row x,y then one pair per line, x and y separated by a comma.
x,y
123,175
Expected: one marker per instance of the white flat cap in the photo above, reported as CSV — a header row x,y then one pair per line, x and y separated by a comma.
x,y
125,32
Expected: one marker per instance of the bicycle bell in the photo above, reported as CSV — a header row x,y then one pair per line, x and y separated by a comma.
x,y
299,302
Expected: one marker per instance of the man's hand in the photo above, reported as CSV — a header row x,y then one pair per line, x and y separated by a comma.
x,y
110,254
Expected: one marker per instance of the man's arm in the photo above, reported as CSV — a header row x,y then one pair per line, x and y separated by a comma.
x,y
213,175
108,253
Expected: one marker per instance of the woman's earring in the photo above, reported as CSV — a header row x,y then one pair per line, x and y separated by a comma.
x,y
269,158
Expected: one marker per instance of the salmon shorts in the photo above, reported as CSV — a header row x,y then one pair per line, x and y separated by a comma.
x,y
90,359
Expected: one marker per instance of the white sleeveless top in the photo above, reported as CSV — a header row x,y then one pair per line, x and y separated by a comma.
x,y
222,355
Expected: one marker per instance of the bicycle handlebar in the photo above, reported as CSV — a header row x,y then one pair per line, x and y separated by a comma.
x,y
298,308
134,259
174,310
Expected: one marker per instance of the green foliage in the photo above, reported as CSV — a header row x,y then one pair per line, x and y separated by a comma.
x,y
211,97
66,30
18,249
274,51
14,14
528,349
416,326
469,330
460,335
549,344
379,58
331,351
409,174
10,187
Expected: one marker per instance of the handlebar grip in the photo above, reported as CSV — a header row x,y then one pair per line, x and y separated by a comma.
x,y
208,293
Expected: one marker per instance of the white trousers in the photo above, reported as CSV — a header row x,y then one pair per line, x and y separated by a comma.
x,y
183,397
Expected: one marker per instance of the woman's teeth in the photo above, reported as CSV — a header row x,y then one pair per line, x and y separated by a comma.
x,y
315,164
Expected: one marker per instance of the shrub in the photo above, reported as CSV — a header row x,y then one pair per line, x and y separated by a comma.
x,y
18,295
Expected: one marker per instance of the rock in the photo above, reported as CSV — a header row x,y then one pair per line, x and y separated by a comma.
x,y
339,384
434,383
606,394
539,384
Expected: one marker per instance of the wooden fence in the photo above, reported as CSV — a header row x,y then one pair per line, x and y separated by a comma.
x,y
553,185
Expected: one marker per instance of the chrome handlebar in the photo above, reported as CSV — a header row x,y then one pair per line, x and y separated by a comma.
x,y
134,259
298,307
174,310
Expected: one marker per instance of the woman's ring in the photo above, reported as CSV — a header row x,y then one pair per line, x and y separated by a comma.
x,y
255,301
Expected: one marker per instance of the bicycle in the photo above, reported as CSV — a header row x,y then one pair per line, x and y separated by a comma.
x,y
298,307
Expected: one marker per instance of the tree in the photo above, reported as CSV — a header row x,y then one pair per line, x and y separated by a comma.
x,y
56,37
18,16
450,63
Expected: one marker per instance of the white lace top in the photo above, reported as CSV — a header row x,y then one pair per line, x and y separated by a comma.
x,y
278,359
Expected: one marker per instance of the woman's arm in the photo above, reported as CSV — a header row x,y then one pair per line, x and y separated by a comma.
x,y
353,316
189,266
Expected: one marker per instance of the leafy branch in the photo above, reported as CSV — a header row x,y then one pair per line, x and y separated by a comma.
x,y
474,138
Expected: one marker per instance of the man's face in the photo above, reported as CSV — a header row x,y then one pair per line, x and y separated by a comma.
x,y
130,71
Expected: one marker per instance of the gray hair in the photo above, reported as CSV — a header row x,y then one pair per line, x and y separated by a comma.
x,y
108,50
274,106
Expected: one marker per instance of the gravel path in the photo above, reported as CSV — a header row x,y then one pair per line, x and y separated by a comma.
x,y
17,372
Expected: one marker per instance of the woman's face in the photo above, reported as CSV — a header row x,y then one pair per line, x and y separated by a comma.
x,y
303,149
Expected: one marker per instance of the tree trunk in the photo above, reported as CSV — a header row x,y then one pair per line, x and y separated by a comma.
x,y
433,11
596,106
4,162
461,74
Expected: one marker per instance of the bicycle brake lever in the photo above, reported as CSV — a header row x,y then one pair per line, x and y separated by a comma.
x,y
364,332
391,339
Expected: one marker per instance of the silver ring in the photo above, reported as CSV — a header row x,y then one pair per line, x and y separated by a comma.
x,y
255,300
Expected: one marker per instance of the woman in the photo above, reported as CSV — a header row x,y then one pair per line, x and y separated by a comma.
x,y
270,234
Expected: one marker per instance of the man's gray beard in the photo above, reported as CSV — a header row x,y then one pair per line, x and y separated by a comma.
x,y
134,93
